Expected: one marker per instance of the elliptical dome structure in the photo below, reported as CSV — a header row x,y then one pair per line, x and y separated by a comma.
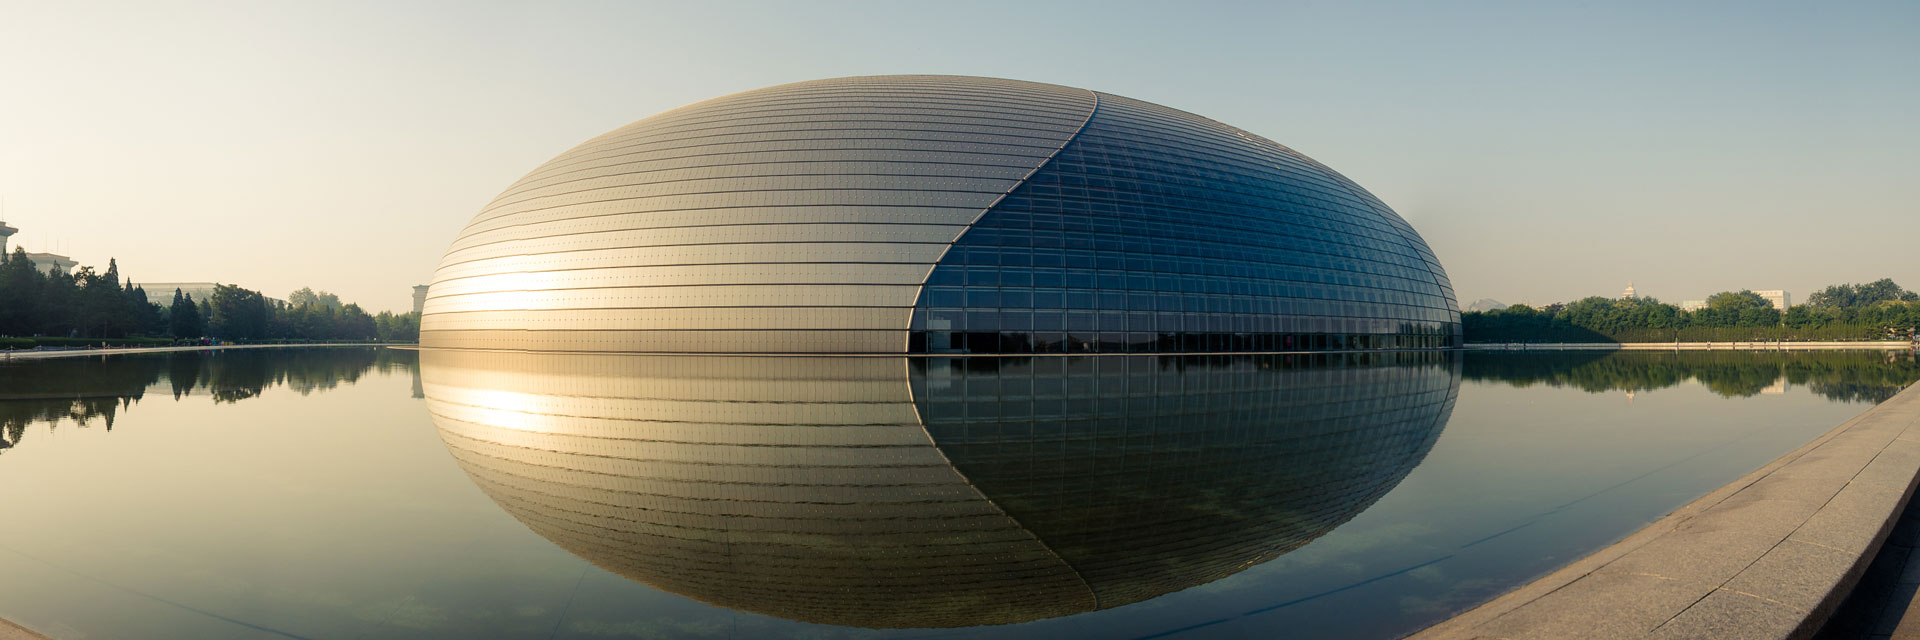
x,y
936,214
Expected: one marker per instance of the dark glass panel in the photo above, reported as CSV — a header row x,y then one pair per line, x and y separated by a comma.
x,y
1246,246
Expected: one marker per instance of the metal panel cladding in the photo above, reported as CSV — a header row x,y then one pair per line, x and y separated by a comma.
x,y
936,214
798,218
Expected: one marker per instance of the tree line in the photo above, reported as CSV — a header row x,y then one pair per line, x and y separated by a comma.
x,y
1878,310
89,307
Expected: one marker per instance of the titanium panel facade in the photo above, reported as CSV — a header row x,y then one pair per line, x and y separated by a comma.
x,y
935,214
934,492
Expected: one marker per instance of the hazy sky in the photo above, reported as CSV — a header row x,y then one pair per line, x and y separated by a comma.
x,y
1546,152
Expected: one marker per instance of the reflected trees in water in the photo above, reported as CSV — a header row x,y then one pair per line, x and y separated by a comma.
x,y
1847,376
90,390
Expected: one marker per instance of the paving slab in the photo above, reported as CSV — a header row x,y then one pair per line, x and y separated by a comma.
x,y
1793,574
1642,603
1727,615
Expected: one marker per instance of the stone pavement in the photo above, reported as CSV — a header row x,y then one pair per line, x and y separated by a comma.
x,y
11,631
1771,555
1883,605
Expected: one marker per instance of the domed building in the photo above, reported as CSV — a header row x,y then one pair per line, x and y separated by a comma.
x,y
936,214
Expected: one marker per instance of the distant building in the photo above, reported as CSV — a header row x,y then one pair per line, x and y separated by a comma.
x,y
1780,299
1693,305
1628,294
419,297
52,263
161,293
1486,304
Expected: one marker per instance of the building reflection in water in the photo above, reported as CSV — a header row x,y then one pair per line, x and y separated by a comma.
x,y
936,492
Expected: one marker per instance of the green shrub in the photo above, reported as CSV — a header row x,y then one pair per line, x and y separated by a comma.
x,y
95,342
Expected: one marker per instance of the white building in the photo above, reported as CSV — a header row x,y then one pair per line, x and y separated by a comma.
x,y
161,293
1780,299
49,263
52,263
1693,305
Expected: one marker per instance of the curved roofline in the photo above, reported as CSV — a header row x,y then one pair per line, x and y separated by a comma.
x,y
906,345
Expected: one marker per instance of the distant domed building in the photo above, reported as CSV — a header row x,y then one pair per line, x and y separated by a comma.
x,y
935,214
1486,304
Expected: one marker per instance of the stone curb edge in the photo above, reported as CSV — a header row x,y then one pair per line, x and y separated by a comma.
x,y
1508,616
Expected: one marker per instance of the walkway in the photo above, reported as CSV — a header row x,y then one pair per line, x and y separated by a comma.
x,y
11,631
1770,555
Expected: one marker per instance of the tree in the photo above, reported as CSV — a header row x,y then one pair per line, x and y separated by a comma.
x,y
1736,301
403,327
1729,309
1884,290
237,314
59,306
1841,312
183,317
1759,317
354,324
1799,316
303,297
104,311
21,290
1851,296
306,297
148,318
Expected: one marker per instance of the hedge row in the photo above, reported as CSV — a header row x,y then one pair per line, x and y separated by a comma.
x,y
29,343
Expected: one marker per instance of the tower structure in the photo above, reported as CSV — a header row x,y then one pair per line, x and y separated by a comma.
x,y
1628,294
419,297
5,232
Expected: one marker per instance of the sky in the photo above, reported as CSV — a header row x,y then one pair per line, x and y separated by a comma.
x,y
1547,151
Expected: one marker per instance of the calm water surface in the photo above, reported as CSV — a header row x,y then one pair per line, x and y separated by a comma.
x,y
364,493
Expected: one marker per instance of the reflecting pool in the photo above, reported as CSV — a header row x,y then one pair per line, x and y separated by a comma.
x,y
365,493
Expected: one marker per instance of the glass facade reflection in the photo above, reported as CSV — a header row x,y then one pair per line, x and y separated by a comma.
x,y
935,492
1157,231
931,215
